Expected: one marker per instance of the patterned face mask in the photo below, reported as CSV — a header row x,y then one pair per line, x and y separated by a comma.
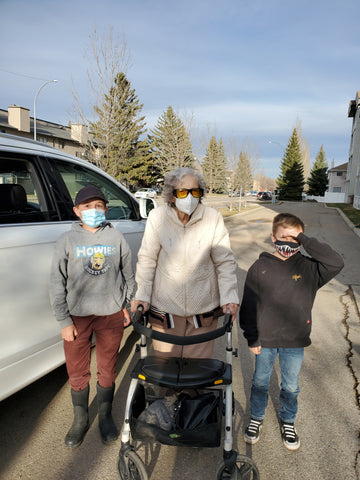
x,y
286,249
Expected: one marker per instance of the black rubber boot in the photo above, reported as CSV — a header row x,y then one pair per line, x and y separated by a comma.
x,y
80,425
108,430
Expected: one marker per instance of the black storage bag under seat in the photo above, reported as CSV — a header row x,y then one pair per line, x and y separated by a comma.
x,y
197,420
193,412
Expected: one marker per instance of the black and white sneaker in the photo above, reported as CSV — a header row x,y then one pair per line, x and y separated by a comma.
x,y
289,436
252,431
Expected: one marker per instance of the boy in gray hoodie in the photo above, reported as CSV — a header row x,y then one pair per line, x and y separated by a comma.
x,y
91,281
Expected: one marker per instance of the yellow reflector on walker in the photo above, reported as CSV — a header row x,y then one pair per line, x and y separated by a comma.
x,y
141,377
217,382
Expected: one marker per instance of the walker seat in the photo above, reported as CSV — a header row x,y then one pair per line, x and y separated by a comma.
x,y
179,373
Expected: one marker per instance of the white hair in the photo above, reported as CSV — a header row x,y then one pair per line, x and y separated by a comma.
x,y
173,179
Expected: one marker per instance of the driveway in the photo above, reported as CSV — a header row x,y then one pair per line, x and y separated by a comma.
x,y
33,422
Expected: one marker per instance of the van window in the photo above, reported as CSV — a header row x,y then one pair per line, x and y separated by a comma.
x,y
21,197
75,177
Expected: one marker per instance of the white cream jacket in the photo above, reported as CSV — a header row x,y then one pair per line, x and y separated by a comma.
x,y
186,269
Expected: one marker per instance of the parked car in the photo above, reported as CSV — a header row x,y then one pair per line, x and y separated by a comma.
x,y
265,196
38,185
146,193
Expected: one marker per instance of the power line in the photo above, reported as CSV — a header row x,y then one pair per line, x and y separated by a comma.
x,y
22,75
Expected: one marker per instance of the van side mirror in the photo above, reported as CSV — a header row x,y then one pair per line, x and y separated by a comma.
x,y
146,205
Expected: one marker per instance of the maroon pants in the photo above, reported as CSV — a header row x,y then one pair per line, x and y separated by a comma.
x,y
108,331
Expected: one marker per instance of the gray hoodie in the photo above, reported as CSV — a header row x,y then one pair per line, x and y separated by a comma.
x,y
91,273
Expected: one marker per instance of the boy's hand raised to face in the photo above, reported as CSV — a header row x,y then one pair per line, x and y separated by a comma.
x,y
288,234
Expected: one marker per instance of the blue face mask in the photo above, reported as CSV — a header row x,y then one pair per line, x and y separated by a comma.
x,y
93,217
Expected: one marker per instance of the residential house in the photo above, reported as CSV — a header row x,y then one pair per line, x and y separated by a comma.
x,y
71,139
336,187
337,178
352,185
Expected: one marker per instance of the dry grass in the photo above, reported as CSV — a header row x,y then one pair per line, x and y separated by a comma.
x,y
226,212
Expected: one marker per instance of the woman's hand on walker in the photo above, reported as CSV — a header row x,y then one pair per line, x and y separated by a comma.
x,y
233,307
135,303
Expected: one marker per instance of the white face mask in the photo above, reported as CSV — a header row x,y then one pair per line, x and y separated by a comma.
x,y
188,204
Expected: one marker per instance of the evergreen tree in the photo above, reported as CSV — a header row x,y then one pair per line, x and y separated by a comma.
x,y
214,166
293,183
140,170
170,143
318,179
291,180
118,129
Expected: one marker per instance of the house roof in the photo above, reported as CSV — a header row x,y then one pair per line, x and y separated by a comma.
x,y
342,168
42,127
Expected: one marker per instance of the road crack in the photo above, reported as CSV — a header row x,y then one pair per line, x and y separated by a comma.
x,y
349,295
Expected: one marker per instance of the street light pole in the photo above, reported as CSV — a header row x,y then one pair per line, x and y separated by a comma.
x,y
277,143
37,93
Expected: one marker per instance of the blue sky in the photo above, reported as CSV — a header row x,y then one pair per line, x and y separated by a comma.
x,y
248,70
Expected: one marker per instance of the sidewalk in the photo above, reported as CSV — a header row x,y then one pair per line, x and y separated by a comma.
x,y
349,222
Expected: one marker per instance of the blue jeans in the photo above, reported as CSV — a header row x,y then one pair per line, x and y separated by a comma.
x,y
290,360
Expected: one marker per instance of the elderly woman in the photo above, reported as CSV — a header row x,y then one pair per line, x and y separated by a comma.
x,y
186,271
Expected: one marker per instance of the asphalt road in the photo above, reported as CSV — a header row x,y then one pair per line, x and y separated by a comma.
x,y
34,422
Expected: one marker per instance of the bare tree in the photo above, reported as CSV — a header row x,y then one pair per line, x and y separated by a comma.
x,y
243,159
243,175
107,55
304,149
252,151
263,182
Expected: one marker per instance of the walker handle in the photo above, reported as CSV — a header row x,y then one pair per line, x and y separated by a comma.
x,y
138,315
140,327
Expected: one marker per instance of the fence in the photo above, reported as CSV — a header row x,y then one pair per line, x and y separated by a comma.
x,y
330,197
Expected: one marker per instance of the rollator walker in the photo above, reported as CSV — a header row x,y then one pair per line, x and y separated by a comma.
x,y
195,420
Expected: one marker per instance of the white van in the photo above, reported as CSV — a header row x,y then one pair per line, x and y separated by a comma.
x,y
38,185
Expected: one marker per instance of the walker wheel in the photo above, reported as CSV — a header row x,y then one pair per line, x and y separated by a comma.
x,y
131,467
244,469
